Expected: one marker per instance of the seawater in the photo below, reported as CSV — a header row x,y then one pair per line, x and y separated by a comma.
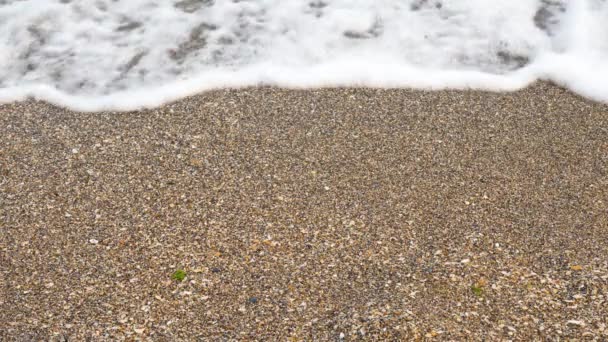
x,y
129,54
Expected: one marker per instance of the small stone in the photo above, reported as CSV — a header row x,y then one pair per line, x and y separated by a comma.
x,y
139,331
482,282
253,300
93,241
576,267
431,334
576,323
465,261
341,336
74,150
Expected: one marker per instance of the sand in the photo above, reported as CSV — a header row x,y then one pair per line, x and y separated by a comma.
x,y
333,214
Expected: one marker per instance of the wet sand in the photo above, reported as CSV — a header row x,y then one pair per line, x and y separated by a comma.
x,y
331,214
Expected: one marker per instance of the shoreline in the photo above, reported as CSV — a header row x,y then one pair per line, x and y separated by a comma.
x,y
308,214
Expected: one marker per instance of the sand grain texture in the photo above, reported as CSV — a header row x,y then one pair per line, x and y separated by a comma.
x,y
307,214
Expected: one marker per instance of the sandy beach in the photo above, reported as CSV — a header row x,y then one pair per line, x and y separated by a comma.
x,y
332,214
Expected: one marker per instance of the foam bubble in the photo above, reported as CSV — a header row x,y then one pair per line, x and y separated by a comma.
x,y
123,55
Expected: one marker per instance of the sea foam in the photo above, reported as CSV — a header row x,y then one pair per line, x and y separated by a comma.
x,y
122,55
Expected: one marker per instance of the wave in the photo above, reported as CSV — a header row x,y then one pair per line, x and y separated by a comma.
x,y
93,55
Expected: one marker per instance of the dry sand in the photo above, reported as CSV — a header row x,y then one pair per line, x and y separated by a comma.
x,y
307,215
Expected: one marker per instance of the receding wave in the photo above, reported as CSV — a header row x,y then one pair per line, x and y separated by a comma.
x,y
120,55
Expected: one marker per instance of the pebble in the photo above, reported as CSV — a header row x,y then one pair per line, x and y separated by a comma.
x,y
576,322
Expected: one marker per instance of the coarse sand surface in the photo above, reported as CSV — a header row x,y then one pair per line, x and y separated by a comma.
x,y
330,214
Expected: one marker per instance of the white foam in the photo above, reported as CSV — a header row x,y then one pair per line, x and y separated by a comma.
x,y
122,55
